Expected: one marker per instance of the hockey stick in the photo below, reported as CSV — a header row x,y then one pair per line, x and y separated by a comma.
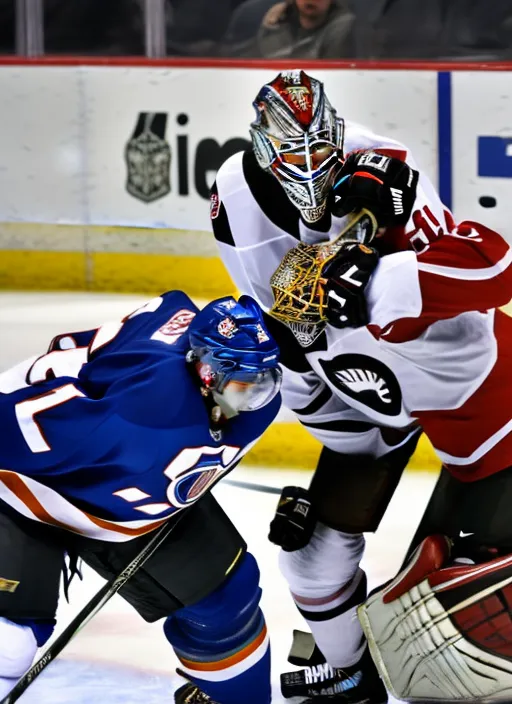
x,y
263,488
90,610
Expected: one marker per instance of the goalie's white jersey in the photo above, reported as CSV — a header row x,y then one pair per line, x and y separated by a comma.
x,y
436,352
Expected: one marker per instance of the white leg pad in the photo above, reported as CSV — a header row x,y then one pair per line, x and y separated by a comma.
x,y
17,649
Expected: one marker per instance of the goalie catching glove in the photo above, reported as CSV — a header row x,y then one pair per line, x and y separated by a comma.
x,y
442,631
382,184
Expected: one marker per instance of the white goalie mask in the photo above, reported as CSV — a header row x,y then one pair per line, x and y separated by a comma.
x,y
298,138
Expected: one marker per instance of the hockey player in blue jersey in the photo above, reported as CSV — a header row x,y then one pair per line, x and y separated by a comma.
x,y
108,435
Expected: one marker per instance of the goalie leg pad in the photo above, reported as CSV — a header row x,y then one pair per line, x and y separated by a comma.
x,y
222,640
443,633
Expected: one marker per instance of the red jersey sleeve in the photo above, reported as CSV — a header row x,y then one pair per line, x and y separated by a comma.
x,y
470,269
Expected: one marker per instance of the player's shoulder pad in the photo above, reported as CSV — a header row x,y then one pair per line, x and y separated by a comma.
x,y
230,176
394,291
360,137
178,299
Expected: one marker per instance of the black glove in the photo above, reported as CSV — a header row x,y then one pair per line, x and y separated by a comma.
x,y
346,278
294,522
382,184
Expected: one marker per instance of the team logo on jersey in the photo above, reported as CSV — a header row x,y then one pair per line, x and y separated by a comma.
x,y
148,158
366,380
175,327
214,205
227,328
208,466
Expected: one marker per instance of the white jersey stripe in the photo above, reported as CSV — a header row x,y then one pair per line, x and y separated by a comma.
x,y
468,274
38,502
233,670
480,451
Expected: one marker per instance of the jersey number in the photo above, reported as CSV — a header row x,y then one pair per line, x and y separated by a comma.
x,y
26,412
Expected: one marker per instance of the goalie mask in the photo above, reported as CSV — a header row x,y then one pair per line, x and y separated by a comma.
x,y
298,138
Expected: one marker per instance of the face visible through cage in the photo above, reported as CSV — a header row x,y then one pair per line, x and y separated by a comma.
x,y
297,283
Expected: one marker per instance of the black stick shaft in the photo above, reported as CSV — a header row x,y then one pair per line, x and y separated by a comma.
x,y
89,611
263,488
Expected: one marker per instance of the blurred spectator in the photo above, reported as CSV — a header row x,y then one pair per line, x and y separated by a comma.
x,y
314,29
7,27
196,27
244,25
104,27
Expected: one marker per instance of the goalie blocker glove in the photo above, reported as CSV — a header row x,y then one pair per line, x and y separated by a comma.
x,y
294,521
384,185
345,281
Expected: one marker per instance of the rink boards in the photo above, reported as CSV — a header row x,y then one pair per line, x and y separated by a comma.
x,y
106,169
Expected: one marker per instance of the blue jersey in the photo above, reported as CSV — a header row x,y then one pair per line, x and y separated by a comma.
x,y
107,434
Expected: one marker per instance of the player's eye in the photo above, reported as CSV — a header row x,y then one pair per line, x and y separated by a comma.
x,y
295,159
321,154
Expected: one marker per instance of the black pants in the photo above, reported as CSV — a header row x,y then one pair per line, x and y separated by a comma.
x,y
482,509
192,563
351,493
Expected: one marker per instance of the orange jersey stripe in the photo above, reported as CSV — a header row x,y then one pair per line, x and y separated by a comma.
x,y
228,662
18,487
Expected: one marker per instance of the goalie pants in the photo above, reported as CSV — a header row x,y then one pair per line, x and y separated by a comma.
x,y
481,510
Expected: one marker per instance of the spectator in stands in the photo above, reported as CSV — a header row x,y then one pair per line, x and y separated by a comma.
x,y
243,27
314,29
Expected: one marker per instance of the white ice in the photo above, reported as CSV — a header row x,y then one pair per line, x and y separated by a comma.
x,y
118,657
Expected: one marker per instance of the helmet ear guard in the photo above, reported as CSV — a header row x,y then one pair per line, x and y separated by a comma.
x,y
297,282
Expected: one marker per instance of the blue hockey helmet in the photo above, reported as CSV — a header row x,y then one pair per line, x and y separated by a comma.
x,y
238,358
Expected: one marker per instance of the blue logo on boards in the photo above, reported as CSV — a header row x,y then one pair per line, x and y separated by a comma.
x,y
495,157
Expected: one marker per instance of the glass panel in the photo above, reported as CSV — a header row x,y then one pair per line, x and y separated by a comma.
x,y
7,27
473,30
94,27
